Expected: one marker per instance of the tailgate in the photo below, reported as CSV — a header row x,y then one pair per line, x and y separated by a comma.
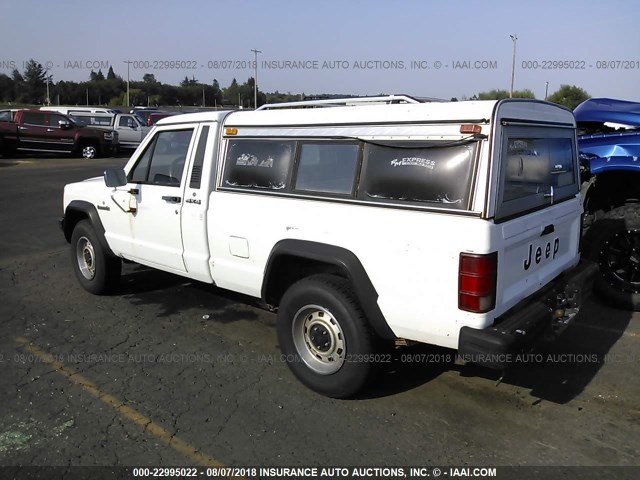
x,y
535,249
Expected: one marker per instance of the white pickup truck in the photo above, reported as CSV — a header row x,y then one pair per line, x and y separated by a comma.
x,y
131,131
373,221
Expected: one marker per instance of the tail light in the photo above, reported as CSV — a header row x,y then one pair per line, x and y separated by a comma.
x,y
477,277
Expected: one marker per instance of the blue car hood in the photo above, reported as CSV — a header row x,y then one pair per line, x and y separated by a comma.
x,y
601,110
612,151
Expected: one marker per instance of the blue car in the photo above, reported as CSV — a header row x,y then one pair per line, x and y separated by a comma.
x,y
609,144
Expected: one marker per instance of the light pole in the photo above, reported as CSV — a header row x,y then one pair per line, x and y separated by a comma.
x,y
48,101
255,79
514,38
128,62
546,90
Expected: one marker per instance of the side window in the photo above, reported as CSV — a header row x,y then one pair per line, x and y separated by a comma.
x,y
327,168
163,160
435,174
124,121
5,116
262,164
34,118
54,119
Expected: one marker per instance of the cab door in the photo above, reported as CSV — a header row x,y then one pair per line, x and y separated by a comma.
x,y
147,228
130,132
35,132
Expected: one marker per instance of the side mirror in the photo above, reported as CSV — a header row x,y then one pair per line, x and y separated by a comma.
x,y
115,177
63,124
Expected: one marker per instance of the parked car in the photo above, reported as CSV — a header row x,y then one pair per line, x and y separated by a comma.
x,y
153,117
129,127
41,130
609,144
143,113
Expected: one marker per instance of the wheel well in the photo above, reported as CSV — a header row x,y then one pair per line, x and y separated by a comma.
x,y
611,190
288,269
71,219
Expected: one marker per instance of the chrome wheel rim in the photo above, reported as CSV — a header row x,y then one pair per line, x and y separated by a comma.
x,y
89,152
318,339
86,258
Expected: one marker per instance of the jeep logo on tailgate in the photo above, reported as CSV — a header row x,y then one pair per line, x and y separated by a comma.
x,y
539,253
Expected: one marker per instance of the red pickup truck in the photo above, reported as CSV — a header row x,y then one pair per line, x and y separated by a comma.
x,y
40,130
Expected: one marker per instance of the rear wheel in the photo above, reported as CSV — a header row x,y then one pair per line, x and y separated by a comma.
x,y
325,337
97,272
613,242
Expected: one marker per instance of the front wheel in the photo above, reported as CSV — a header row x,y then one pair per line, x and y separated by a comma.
x,y
613,242
97,272
325,337
89,151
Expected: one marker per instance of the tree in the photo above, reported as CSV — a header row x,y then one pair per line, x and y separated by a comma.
x,y
149,78
7,88
496,94
110,74
230,94
17,77
34,82
186,82
569,96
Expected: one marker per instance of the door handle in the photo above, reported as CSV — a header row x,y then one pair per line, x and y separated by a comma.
x,y
171,199
548,229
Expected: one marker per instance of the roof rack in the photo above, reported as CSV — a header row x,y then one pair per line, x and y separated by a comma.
x,y
341,102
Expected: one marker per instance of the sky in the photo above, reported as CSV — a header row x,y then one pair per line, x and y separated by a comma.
x,y
426,48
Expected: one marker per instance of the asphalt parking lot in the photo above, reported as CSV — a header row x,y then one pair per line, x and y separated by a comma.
x,y
170,372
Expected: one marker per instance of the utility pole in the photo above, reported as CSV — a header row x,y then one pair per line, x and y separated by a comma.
x,y
255,77
514,38
546,90
48,101
128,62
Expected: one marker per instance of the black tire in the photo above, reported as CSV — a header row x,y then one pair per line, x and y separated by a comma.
x,y
613,242
97,272
325,337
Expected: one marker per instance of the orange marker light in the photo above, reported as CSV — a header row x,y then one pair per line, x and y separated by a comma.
x,y
469,128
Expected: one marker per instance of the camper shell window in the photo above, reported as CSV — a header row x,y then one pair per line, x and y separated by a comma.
x,y
537,169
434,174
327,167
261,164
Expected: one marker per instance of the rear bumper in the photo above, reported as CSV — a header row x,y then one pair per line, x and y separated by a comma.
x,y
547,312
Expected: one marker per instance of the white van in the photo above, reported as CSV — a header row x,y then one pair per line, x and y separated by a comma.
x,y
453,224
70,110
